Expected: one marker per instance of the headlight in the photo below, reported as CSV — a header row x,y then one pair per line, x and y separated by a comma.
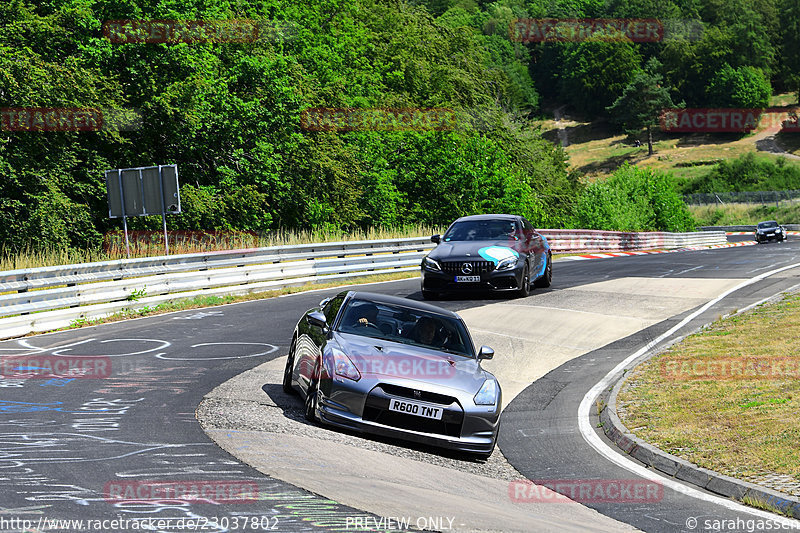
x,y
507,263
431,264
779,230
344,367
488,393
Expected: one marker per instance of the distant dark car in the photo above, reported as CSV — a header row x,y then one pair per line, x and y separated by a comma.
x,y
395,367
768,231
487,252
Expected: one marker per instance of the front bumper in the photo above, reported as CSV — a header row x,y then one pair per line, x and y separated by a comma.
x,y
763,237
348,405
495,281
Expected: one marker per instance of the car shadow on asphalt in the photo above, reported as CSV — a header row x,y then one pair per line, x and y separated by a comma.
x,y
291,405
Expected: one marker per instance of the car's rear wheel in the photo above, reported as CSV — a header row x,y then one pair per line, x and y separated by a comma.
x,y
312,396
525,283
546,279
287,372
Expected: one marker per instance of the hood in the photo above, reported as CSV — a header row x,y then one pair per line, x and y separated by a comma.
x,y
380,359
493,250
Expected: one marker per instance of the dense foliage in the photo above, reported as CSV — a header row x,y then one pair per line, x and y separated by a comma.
x,y
229,114
633,199
748,173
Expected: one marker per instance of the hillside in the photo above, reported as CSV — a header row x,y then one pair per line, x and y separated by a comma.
x,y
596,149
346,115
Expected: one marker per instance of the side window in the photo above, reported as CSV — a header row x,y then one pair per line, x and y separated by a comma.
x,y
528,228
331,309
527,225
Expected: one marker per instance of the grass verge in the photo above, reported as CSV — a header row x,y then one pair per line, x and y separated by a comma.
x,y
726,398
737,214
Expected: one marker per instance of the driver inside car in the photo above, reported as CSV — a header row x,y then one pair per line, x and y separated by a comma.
x,y
368,315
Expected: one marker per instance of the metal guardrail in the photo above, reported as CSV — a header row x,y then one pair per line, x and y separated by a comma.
x,y
42,299
570,240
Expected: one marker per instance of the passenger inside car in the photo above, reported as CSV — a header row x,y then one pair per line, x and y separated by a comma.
x,y
424,331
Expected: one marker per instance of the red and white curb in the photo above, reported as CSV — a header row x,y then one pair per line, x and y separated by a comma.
x,y
606,255
751,232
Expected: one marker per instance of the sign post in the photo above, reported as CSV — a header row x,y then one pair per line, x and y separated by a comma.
x,y
143,191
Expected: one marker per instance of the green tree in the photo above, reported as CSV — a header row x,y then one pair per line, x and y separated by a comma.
x,y
594,73
641,102
744,87
790,44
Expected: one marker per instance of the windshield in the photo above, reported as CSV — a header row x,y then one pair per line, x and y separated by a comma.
x,y
481,230
767,225
407,326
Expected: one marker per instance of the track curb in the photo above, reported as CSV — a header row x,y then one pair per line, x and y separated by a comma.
x,y
681,469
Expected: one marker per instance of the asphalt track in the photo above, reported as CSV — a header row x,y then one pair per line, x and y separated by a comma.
x,y
65,445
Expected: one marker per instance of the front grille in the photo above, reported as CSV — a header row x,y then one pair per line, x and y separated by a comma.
x,y
478,267
425,396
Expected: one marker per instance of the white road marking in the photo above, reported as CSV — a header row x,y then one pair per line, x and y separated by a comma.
x,y
589,435
681,272
271,349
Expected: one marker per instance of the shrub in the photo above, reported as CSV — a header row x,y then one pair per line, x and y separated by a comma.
x,y
633,199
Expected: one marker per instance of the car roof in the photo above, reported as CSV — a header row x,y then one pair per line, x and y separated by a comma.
x,y
405,302
491,216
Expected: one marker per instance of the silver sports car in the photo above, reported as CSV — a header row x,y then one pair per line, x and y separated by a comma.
x,y
394,367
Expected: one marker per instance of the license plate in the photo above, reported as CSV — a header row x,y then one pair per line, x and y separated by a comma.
x,y
416,409
468,279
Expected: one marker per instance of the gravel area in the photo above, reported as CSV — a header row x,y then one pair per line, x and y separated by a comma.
x,y
255,401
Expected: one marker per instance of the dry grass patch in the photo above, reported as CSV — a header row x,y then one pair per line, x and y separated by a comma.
x,y
739,424
742,214
32,258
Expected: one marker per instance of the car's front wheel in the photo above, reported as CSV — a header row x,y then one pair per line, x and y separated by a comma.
x,y
525,283
287,372
312,397
546,279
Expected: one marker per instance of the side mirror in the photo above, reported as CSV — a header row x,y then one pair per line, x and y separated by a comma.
x,y
436,239
317,319
324,302
485,353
